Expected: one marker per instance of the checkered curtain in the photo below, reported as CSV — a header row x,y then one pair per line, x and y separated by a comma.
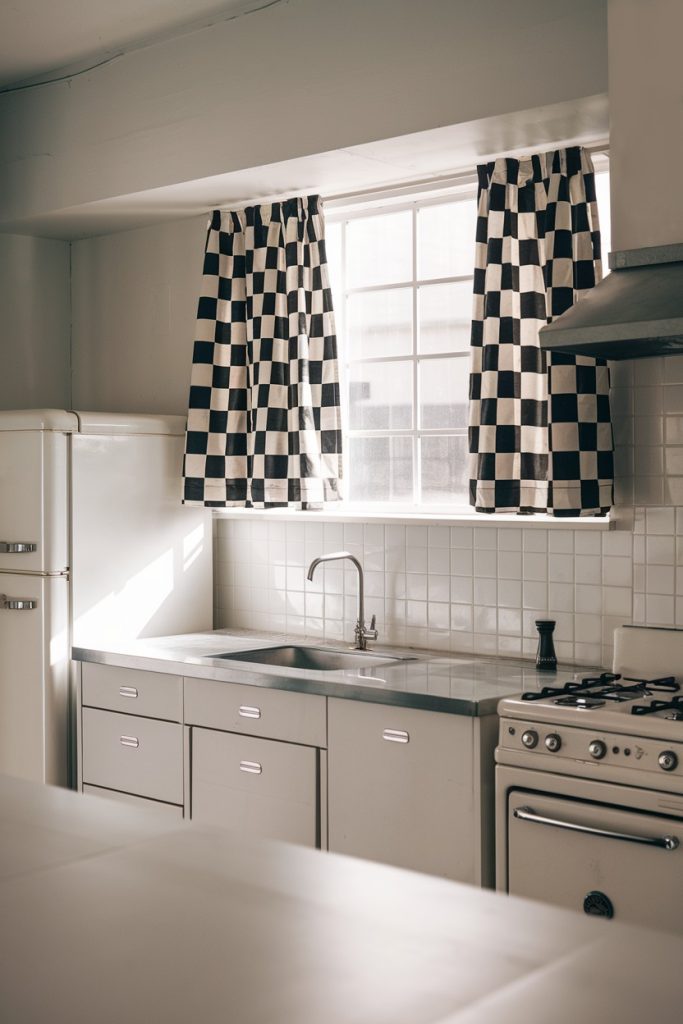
x,y
540,431
263,426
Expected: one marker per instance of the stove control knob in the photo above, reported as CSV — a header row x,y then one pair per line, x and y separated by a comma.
x,y
667,760
530,738
597,749
553,742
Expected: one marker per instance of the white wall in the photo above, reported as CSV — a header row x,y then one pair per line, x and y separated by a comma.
x,y
298,78
34,337
134,302
646,122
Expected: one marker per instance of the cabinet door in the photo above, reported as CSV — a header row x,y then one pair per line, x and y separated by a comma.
x,y
401,787
258,787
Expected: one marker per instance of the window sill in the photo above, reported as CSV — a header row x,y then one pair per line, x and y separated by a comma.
x,y
497,520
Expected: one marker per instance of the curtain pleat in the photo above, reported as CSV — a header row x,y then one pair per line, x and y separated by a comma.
x,y
264,427
540,431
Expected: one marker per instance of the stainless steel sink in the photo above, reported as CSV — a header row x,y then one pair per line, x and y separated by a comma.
x,y
321,659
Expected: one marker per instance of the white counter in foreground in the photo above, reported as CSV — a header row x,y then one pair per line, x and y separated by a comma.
x,y
108,916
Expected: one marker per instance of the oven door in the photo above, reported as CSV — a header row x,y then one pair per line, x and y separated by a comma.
x,y
598,858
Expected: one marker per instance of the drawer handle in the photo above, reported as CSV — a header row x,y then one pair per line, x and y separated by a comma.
x,y
8,547
251,767
246,711
130,741
128,691
396,736
17,604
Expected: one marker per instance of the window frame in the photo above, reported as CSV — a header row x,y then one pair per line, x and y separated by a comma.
x,y
367,206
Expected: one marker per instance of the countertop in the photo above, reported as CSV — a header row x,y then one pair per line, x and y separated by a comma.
x,y
463,684
108,914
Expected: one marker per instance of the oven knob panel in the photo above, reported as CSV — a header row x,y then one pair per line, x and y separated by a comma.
x,y
553,742
667,760
530,739
597,749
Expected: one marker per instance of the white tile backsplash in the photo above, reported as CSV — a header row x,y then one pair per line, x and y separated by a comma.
x,y
481,588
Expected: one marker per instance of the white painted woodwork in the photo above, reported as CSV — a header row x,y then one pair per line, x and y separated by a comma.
x,y
152,768
34,653
413,804
169,811
133,691
282,714
34,497
178,111
258,787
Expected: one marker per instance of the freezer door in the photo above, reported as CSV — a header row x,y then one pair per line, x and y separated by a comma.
x,y
34,669
34,481
596,858
142,562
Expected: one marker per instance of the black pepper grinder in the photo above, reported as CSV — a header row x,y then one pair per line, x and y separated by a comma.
x,y
546,658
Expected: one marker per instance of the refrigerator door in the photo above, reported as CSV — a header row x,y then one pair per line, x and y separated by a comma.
x,y
142,562
34,673
34,480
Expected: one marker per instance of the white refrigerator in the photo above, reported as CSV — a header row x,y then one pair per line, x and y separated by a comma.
x,y
95,548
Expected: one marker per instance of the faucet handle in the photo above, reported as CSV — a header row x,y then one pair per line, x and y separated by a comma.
x,y
373,622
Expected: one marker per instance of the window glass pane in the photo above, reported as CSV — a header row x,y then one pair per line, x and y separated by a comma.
x,y
380,323
444,470
379,249
445,317
446,238
333,249
444,387
382,469
381,396
602,195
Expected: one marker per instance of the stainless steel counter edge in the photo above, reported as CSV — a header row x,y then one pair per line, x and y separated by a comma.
x,y
340,683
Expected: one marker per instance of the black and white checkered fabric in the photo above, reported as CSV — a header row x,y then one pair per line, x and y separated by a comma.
x,y
264,425
540,431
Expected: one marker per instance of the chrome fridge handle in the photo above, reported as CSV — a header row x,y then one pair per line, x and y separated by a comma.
x,y
8,547
16,604
527,814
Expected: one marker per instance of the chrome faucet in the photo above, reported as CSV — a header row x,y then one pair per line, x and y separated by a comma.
x,y
361,634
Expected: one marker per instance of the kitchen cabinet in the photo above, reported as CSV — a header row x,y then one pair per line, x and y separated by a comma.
x,y
407,787
260,787
131,735
257,760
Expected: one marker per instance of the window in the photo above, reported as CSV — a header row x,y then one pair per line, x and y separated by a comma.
x,y
401,276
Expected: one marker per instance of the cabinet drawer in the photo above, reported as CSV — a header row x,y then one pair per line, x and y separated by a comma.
x,y
257,711
260,787
149,806
133,691
133,755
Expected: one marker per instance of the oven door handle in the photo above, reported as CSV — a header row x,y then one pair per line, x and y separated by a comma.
x,y
527,814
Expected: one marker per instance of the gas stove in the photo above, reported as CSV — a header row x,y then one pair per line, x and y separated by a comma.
x,y
589,786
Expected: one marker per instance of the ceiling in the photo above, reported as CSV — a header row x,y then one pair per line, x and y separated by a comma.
x,y
41,37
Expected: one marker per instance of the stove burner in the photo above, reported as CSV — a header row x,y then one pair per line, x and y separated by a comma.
x,y
675,706
583,703
595,691
548,692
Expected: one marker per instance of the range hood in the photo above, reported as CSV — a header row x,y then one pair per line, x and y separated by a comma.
x,y
636,311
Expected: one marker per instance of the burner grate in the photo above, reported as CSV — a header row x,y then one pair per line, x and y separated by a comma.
x,y
675,705
587,692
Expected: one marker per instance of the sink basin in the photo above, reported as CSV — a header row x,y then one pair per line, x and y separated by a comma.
x,y
321,659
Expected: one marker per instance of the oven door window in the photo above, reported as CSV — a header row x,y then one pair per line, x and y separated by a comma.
x,y
596,859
